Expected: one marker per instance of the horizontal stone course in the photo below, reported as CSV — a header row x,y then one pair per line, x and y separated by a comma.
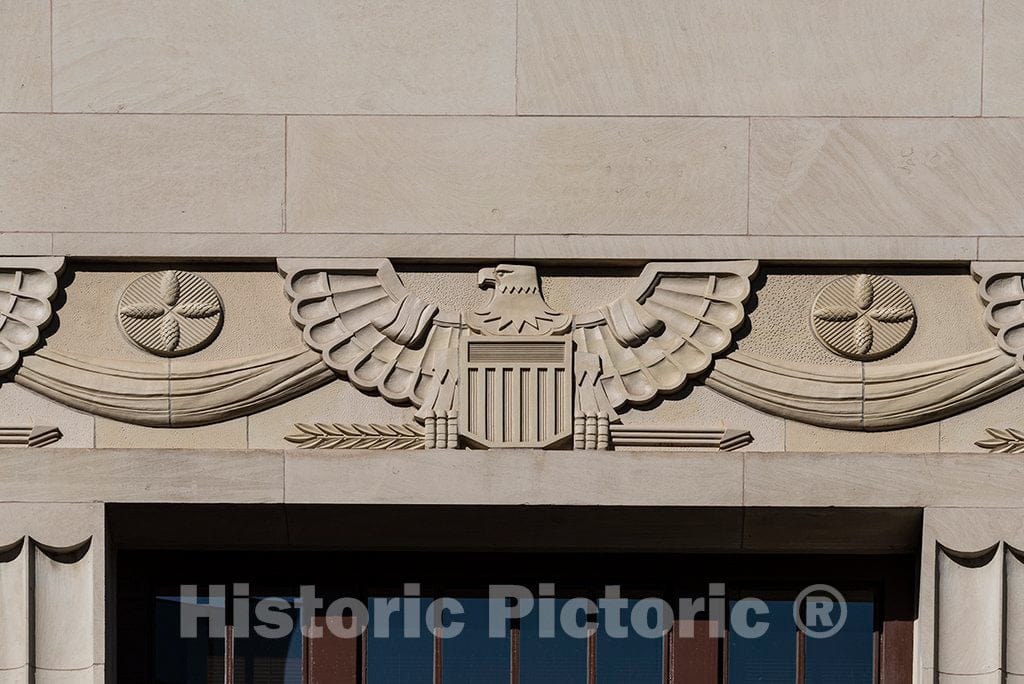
x,y
264,246
301,56
926,177
557,187
1000,249
146,174
786,57
535,247
454,246
24,56
516,175
1004,55
809,248
513,476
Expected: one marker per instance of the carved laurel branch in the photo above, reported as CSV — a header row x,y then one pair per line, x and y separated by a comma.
x,y
1006,441
355,436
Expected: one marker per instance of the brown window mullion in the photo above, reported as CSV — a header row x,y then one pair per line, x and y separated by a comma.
x,y
592,657
515,652
801,651
229,654
438,612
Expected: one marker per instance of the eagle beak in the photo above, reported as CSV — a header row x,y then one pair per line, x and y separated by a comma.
x,y
485,278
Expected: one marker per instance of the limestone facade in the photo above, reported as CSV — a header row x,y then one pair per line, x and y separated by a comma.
x,y
596,253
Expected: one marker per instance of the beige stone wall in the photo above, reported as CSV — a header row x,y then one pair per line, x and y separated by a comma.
x,y
580,132
500,128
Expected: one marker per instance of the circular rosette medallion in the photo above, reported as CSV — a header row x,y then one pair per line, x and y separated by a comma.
x,y
171,313
863,317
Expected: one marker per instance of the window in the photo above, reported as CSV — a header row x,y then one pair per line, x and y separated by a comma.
x,y
837,644
442,631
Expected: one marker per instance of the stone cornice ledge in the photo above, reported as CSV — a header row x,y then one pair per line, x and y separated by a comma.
x,y
534,247
513,477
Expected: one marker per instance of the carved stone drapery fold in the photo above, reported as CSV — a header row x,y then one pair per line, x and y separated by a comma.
x,y
27,286
872,398
190,393
360,322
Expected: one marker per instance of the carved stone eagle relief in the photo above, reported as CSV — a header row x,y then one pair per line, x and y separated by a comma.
x,y
516,372
846,350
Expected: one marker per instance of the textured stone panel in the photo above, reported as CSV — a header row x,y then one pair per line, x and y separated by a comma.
x,y
24,407
110,434
266,245
516,476
655,247
780,325
255,316
883,478
802,437
132,475
1000,249
887,177
1004,55
959,433
25,244
788,57
141,173
500,175
306,56
338,402
503,175
25,56
704,408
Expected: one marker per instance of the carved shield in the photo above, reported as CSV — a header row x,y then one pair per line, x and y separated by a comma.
x,y
515,391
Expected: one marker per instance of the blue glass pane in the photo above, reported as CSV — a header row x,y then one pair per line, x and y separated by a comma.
x,y
769,657
271,652
181,660
473,657
847,656
393,657
549,655
635,659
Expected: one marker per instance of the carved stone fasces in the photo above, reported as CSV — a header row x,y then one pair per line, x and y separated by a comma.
x,y
29,435
673,436
27,287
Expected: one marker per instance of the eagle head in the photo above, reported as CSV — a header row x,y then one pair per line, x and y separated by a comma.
x,y
517,305
510,279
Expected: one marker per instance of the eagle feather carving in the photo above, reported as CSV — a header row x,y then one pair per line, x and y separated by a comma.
x,y
370,329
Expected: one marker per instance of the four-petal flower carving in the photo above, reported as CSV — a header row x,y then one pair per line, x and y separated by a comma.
x,y
169,308
865,314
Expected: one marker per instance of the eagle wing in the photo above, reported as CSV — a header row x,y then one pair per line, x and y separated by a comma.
x,y
27,288
1001,288
369,327
665,330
